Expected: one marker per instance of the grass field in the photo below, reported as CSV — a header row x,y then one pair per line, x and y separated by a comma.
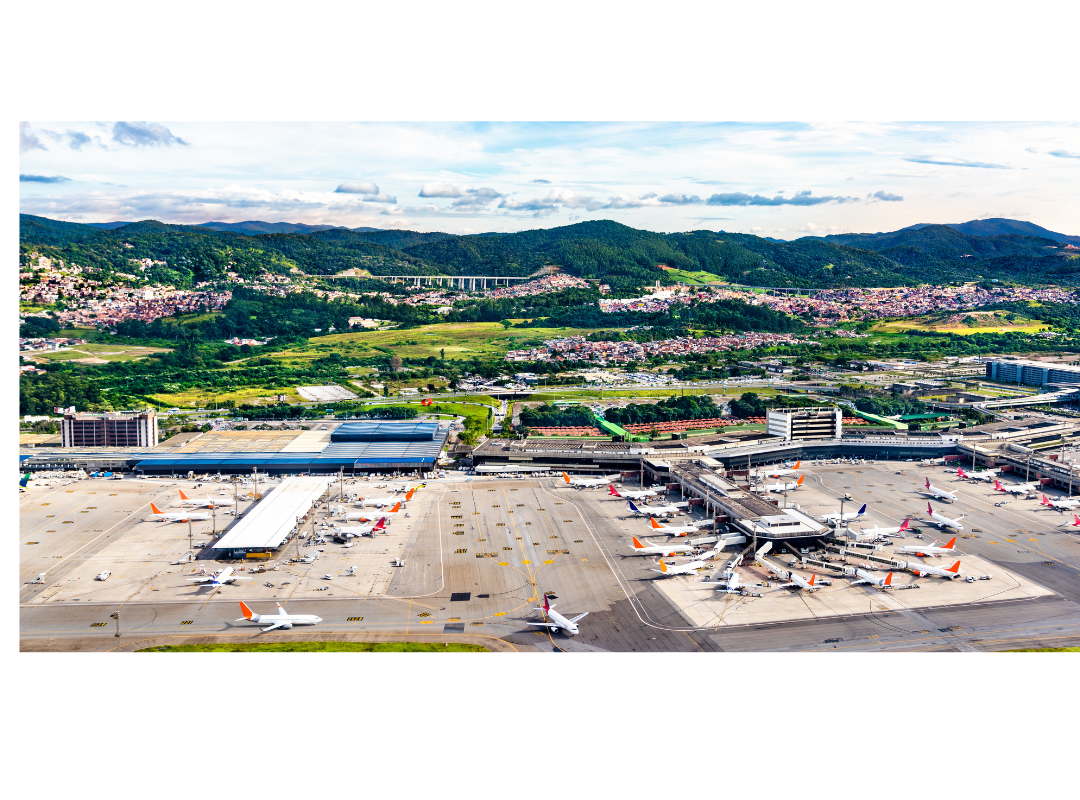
x,y
980,322
655,394
101,352
198,398
478,414
693,277
319,647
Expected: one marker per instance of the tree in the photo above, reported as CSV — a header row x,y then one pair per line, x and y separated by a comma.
x,y
395,363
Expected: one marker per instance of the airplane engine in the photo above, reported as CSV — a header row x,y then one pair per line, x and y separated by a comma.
x,y
286,626
554,629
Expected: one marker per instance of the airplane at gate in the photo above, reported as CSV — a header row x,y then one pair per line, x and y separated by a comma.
x,y
922,570
672,530
631,495
556,621
586,483
982,475
182,516
689,568
873,580
940,494
650,549
906,526
779,473
384,501
1060,505
799,582
647,510
934,550
361,515
780,487
282,619
730,585
942,521
362,530
1015,488
204,503
221,578
845,517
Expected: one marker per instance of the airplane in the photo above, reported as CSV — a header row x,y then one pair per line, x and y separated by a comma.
x,y
586,483
933,550
940,494
779,473
944,522
362,530
906,526
555,620
282,619
689,568
866,577
221,578
206,503
846,517
782,487
731,585
628,495
647,510
384,501
673,530
922,570
1060,505
798,582
180,517
351,515
650,549
1015,488
982,475
1075,522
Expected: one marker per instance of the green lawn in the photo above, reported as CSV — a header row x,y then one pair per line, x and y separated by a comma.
x,y
693,277
319,647
105,352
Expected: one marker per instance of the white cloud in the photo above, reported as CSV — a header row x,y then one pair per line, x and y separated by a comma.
x,y
358,187
144,134
28,140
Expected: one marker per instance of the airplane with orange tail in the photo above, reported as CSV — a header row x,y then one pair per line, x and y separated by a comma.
x,y
799,582
779,473
361,515
650,549
205,502
933,550
873,580
689,568
182,516
922,570
781,487
672,530
385,501
282,619
587,483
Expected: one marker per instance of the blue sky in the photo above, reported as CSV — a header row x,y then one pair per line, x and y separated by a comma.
x,y
774,179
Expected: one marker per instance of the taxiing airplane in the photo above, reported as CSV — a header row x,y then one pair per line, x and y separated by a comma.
x,y
220,578
384,501
873,580
780,487
586,483
362,530
631,495
940,494
934,550
650,549
182,516
942,521
845,517
1015,488
689,568
647,510
672,530
1060,505
779,472
282,619
362,515
556,621
204,503
923,570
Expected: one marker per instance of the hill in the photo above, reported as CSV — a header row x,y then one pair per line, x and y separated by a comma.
x,y
253,227
1005,227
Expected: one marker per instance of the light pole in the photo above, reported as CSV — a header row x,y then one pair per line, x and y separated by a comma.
x,y
116,615
189,545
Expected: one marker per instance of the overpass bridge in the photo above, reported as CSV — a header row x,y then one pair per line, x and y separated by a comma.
x,y
464,282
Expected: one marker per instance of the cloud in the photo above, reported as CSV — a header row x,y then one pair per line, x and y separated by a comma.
x,y
681,199
143,134
466,198
43,179
954,163
818,230
1063,154
355,187
439,189
28,140
885,196
803,198
77,140
626,201
539,180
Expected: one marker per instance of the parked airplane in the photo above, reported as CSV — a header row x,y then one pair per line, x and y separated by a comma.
x,y
282,619
933,550
873,580
779,472
942,521
220,578
672,530
1075,522
1016,488
781,487
362,530
182,516
384,501
799,582
586,483
922,570
845,517
650,549
204,503
1060,505
647,510
631,495
689,568
873,532
982,475
940,494
556,621
730,585
362,515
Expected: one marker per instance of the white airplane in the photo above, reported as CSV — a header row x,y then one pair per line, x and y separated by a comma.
x,y
282,619
672,530
556,621
799,582
922,570
650,549
873,532
731,585
1060,505
779,472
586,483
362,515
647,510
205,502
182,516
982,475
845,517
779,488
362,530
1015,488
940,494
220,578
384,501
942,521
933,550
689,568
866,577
631,495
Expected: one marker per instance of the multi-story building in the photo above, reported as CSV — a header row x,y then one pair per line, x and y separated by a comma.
x,y
804,423
1030,373
120,429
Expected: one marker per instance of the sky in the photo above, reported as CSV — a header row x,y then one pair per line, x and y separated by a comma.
x,y
784,180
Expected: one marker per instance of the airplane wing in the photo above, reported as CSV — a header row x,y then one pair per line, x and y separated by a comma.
x,y
235,578
284,625
544,624
206,579
572,620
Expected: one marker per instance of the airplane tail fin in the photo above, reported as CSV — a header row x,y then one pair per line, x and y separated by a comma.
x,y
655,525
663,566
961,473
997,485
566,477
396,508
611,491
637,544
907,524
861,510
245,610
950,544
929,509
954,568
812,579
155,509
183,496
888,580
409,494
927,483
281,611
634,508
381,524
1044,502
798,464
546,606
1076,519
798,483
